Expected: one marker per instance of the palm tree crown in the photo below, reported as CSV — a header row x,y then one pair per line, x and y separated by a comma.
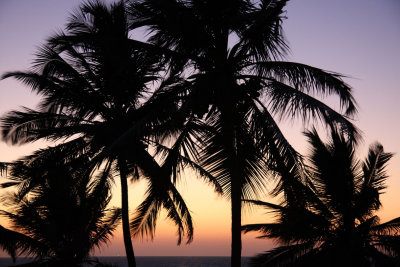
x,y
63,217
335,225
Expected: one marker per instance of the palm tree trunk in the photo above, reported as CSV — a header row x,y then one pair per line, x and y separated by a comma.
x,y
236,205
229,132
125,213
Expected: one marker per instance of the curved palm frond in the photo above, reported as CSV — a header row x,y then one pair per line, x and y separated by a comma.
x,y
287,101
309,79
144,222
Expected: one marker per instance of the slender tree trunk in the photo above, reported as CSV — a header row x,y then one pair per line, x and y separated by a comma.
x,y
236,202
231,146
125,213
229,120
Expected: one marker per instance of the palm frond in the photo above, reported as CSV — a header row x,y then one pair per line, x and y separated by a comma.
x,y
266,205
15,243
374,177
282,256
389,246
262,38
185,162
108,224
282,158
288,101
30,125
164,195
309,80
391,227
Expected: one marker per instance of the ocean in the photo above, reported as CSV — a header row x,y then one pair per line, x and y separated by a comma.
x,y
154,261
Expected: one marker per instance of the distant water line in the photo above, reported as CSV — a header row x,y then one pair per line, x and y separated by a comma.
x,y
154,261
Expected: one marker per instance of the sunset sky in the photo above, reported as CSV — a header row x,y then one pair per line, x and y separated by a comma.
x,y
358,38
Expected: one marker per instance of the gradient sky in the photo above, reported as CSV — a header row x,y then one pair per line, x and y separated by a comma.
x,y
358,38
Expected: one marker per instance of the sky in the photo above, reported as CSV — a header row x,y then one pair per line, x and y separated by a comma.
x,y
358,38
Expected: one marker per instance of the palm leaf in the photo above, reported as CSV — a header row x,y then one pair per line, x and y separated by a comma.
x,y
288,101
309,80
282,256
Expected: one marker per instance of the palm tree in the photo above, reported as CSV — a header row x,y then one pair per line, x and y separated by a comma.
x,y
335,225
231,54
63,218
97,103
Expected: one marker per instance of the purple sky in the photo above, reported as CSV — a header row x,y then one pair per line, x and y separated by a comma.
x,y
358,38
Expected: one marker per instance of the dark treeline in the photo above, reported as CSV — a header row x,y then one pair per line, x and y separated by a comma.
x,y
205,92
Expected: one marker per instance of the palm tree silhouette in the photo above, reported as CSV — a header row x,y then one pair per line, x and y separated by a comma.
x,y
231,55
335,224
61,219
98,101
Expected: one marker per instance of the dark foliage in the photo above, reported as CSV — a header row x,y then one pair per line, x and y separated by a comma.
x,y
98,103
334,224
63,216
232,56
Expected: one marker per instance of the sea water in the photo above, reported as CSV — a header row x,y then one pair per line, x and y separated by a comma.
x,y
154,261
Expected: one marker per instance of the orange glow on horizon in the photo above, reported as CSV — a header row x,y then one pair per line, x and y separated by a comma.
x,y
339,36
